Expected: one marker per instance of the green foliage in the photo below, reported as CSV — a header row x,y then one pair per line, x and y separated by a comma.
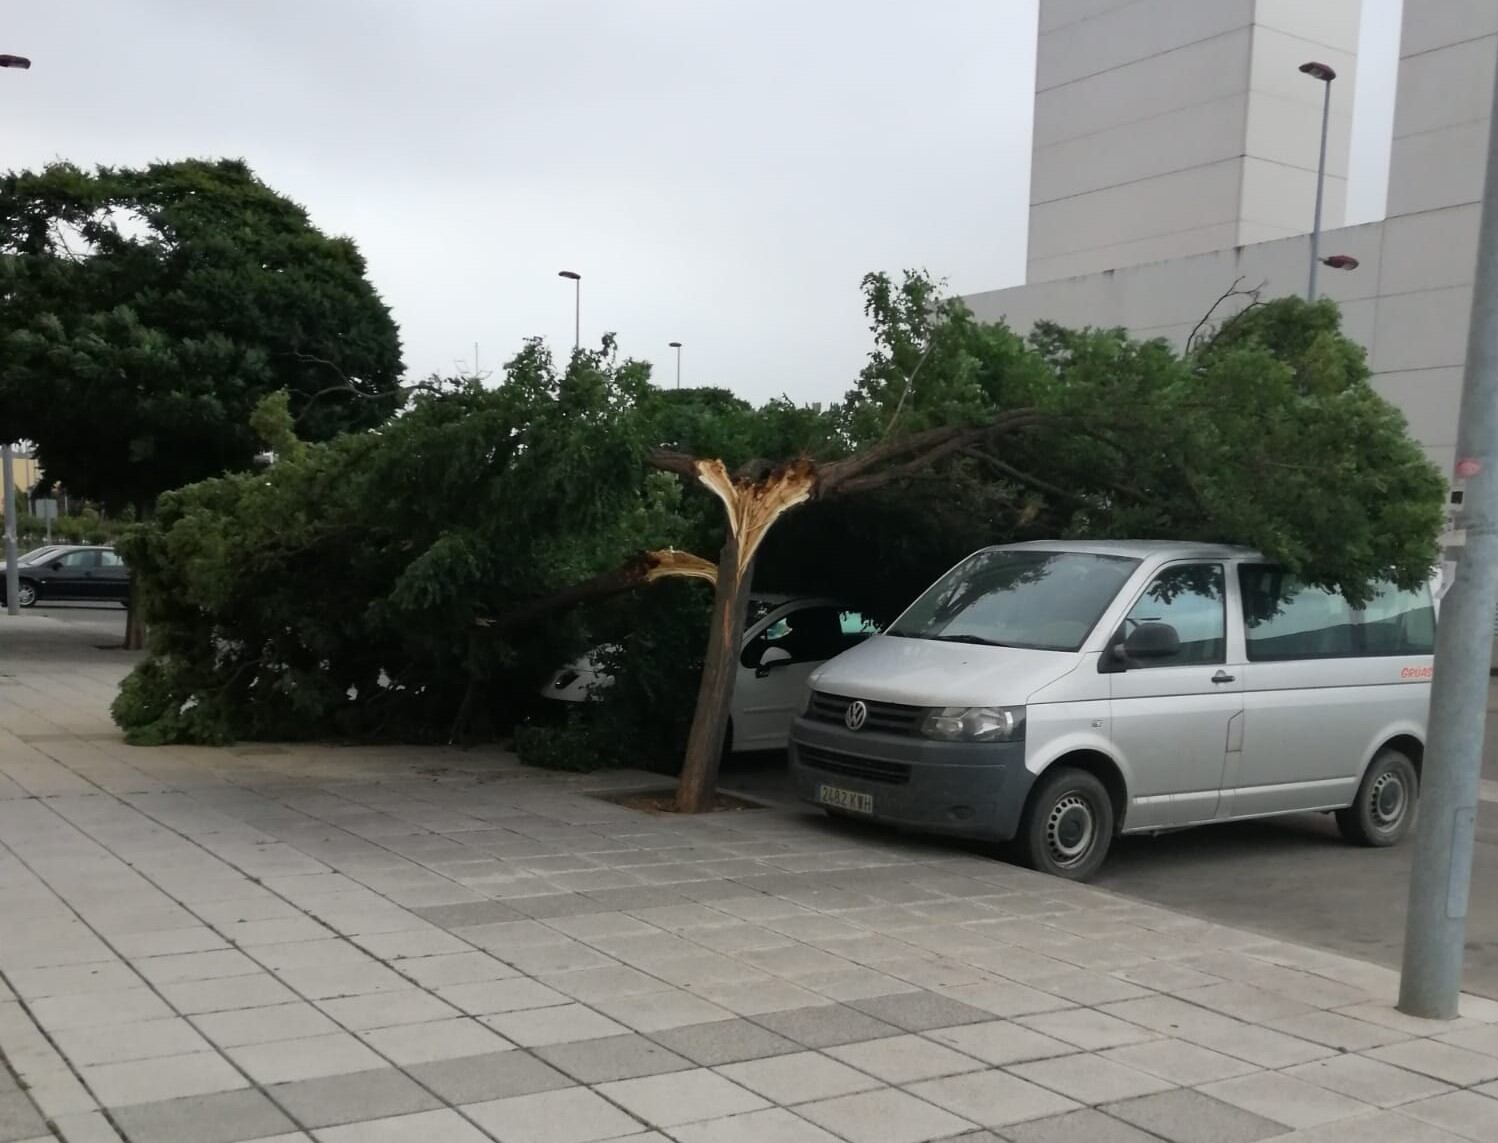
x,y
144,313
1268,434
85,527
345,589
651,643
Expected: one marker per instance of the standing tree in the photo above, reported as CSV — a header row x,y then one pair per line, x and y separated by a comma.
x,y
144,313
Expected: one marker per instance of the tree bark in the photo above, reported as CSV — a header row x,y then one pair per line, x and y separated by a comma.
x,y
752,505
699,772
135,623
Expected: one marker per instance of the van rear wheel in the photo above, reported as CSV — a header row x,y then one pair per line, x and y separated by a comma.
x,y
1384,809
1068,827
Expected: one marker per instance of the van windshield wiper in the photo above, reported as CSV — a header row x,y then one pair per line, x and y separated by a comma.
x,y
975,639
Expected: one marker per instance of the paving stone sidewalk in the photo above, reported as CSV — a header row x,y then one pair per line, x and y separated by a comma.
x,y
390,945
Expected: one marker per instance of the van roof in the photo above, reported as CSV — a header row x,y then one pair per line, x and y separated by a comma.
x,y
1138,549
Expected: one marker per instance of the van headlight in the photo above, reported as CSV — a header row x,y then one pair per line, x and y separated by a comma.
x,y
976,724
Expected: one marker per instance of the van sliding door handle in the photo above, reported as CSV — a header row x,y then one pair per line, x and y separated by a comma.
x,y
1224,677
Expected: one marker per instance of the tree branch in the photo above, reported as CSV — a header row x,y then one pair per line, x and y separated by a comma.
x,y
646,568
348,387
905,393
1023,477
1232,292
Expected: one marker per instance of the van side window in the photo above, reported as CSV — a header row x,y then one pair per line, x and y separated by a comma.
x,y
1190,598
1399,622
1285,619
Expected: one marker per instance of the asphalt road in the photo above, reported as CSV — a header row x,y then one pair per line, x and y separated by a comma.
x,y
1293,877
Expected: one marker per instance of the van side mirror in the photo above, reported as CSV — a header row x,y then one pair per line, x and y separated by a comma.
x,y
772,658
1152,641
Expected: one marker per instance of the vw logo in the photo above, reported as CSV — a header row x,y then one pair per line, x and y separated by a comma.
x,y
856,715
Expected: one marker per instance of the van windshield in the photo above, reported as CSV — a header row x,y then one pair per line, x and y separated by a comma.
x,y
1043,601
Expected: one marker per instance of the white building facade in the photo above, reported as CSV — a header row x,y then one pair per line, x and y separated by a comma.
x,y
1176,145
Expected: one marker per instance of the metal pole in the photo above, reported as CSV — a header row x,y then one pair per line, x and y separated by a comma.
x,y
1326,119
678,367
12,573
1441,880
577,314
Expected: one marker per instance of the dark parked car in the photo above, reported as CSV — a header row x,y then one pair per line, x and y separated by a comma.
x,y
72,573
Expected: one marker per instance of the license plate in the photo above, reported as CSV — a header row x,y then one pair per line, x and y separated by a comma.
x,y
846,799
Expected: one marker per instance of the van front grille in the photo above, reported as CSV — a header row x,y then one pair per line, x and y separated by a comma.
x,y
889,717
853,766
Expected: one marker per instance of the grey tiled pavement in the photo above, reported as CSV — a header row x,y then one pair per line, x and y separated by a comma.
x,y
279,944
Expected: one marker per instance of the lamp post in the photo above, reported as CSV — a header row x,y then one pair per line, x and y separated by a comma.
x,y
1435,933
577,306
7,476
676,345
1325,74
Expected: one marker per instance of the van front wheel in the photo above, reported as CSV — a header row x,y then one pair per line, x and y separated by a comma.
x,y
1069,825
1384,809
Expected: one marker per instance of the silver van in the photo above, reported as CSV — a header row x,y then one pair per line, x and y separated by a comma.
x,y
1056,694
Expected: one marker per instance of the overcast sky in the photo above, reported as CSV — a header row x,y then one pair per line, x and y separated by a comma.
x,y
721,172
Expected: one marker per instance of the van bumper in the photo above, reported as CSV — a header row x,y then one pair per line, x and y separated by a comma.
x,y
962,789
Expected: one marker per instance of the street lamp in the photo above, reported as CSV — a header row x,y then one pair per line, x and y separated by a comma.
x,y
1341,262
577,306
1325,74
7,474
676,345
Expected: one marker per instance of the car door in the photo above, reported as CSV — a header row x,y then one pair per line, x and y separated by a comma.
x,y
768,693
67,576
1321,679
1175,719
111,580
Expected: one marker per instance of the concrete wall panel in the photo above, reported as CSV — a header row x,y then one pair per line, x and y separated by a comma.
x,y
1437,169
1133,32
1201,73
1149,208
1194,136
1277,57
1429,251
1430,24
1289,132
1281,196
1425,330
1332,23
1428,398
1057,13
1446,87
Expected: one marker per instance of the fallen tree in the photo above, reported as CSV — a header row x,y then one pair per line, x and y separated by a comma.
x,y
1264,433
420,581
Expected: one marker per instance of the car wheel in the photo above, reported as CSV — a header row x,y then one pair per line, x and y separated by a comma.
x,y
26,593
1068,827
1388,797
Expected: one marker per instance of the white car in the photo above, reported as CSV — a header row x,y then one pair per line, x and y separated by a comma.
x,y
785,639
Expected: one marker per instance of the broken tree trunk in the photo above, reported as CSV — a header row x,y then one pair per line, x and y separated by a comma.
x,y
753,500
752,506
709,733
